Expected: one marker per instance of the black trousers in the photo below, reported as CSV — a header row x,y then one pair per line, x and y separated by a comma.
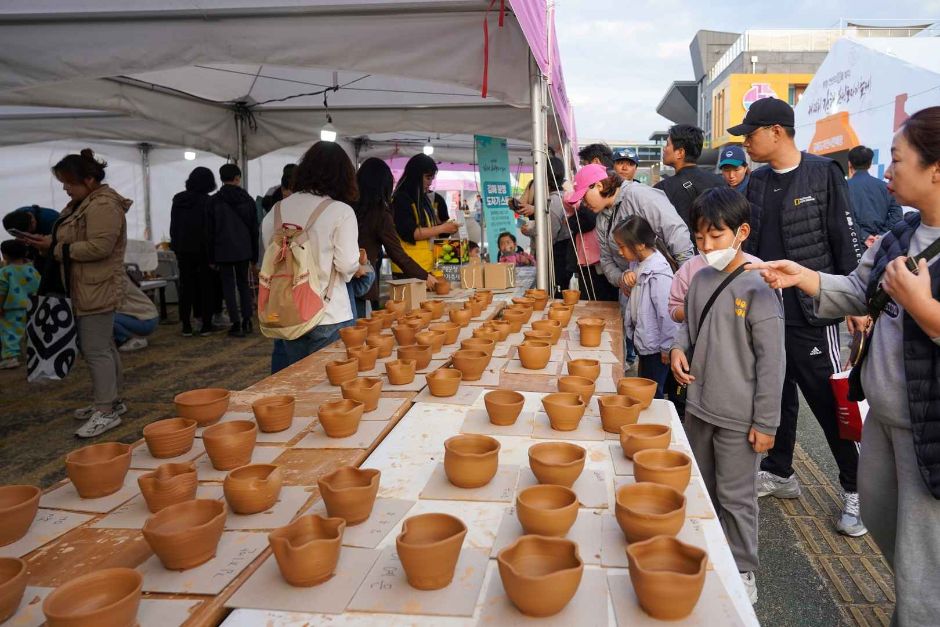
x,y
812,356
595,286
563,269
195,286
235,276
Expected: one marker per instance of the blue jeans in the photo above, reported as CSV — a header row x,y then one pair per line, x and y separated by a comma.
x,y
126,327
629,351
652,367
289,352
357,287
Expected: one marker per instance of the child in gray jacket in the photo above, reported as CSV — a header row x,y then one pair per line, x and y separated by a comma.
x,y
735,378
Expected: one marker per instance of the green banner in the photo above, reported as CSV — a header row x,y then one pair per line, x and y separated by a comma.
x,y
495,188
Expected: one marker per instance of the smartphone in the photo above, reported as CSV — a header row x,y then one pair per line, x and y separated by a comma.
x,y
514,204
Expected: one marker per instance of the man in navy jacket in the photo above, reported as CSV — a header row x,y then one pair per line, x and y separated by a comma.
x,y
874,209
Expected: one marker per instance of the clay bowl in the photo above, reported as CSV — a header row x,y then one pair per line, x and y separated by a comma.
x,y
170,437
366,390
475,306
538,336
340,418
414,321
274,413
98,470
425,315
349,493
253,488
366,355
500,326
444,381
570,297
564,409
486,333
373,326
404,334
470,461
667,576
579,385
460,316
436,307
639,388
13,580
429,547
534,355
552,326
307,550
671,468
205,406
515,318
387,318
539,297
168,485
485,295
648,509
229,444
479,344
18,506
419,353
557,463
450,329
527,310
395,306
540,574
591,329
339,372
617,411
186,535
383,343
442,287
524,300
400,371
434,339
637,437
109,597
587,368
471,363
547,509
503,406
353,336
561,314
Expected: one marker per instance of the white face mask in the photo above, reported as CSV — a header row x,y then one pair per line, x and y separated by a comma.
x,y
719,259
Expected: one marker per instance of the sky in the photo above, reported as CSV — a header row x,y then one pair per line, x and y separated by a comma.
x,y
620,56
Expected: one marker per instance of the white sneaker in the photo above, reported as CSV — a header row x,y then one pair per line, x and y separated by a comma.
x,y
750,585
769,484
9,363
133,344
85,413
98,424
850,522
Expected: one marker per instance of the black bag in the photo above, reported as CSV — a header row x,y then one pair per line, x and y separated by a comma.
x,y
51,328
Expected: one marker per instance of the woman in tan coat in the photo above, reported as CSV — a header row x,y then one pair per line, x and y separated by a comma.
x,y
91,235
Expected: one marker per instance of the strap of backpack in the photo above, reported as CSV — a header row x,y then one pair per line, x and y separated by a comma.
x,y
877,303
278,222
711,299
326,202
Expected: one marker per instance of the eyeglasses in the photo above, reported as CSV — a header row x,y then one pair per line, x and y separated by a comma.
x,y
750,135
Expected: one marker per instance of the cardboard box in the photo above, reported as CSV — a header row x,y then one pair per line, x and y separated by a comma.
x,y
498,276
412,291
471,276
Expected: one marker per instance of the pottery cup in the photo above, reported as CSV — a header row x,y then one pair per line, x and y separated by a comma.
x,y
590,331
500,326
168,485
538,336
534,355
434,339
667,576
547,509
367,356
424,315
353,336
442,287
18,507
366,390
503,406
540,574
557,463
479,344
387,318
444,382
400,371
648,509
429,547
13,579
186,534
663,466
340,418
110,596
639,388
486,333
460,316
526,310
484,295
339,372
475,306
552,326
170,437
471,461
230,444
471,363
404,334
205,406
561,314
421,354
373,326
274,413
564,409
582,386
383,343
515,318
617,411
307,550
451,331
587,368
436,307
98,470
638,437
395,306
570,297
253,488
349,493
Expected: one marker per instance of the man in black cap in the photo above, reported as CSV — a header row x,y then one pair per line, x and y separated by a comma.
x,y
682,150
626,162
800,211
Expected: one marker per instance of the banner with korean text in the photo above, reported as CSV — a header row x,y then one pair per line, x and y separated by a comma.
x,y
495,188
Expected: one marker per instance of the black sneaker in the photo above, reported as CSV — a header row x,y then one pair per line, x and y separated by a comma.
x,y
187,329
208,330
236,331
246,327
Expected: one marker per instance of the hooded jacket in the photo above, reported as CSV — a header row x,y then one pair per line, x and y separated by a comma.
x,y
232,225
188,223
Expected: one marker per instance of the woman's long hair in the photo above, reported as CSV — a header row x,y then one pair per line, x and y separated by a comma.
x,y
375,182
411,182
635,230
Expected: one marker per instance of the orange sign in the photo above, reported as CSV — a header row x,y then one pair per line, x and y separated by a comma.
x,y
834,133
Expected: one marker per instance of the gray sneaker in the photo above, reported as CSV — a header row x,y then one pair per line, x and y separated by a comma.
x,y
98,424
750,585
769,484
85,413
850,522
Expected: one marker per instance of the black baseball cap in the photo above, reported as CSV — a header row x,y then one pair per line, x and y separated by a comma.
x,y
764,112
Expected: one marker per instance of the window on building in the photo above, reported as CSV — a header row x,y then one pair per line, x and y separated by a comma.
x,y
795,93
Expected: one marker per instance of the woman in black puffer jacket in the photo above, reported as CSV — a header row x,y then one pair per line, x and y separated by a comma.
x,y
188,241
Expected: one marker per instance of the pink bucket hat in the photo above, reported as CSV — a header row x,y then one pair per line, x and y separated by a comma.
x,y
586,176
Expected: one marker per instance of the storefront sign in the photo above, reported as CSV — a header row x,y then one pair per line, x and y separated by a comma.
x,y
496,189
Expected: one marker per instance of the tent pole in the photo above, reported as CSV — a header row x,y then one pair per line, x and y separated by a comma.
x,y
242,138
540,178
566,156
145,167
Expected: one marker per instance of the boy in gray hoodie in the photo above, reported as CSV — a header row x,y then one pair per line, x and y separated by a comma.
x,y
736,376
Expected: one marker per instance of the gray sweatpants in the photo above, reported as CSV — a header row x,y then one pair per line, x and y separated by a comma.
x,y
729,469
903,518
96,341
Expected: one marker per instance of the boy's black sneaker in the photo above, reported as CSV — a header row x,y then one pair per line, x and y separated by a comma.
x,y
187,329
246,327
236,331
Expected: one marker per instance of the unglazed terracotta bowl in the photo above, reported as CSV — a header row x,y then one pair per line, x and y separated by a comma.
x,y
570,297
486,333
387,318
590,331
274,413
307,550
557,463
460,316
471,461
534,355
442,287
538,336
395,306
13,579
475,306
349,493
587,368
500,326
400,371
206,406
421,354
485,295
230,444
667,576
98,470
404,334
434,339
471,363
168,485
424,315
582,386
373,326
547,509
187,534
552,326
639,388
527,310
639,437
647,509
343,370
564,409
540,574
340,418
503,406
366,390
383,343
353,336
617,411
444,382
436,307
18,506
451,331
539,297
479,344
524,300
663,466
367,356
253,488
561,314
170,437
515,318
429,547
108,597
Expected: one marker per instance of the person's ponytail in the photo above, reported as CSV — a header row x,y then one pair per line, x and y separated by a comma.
x,y
77,168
